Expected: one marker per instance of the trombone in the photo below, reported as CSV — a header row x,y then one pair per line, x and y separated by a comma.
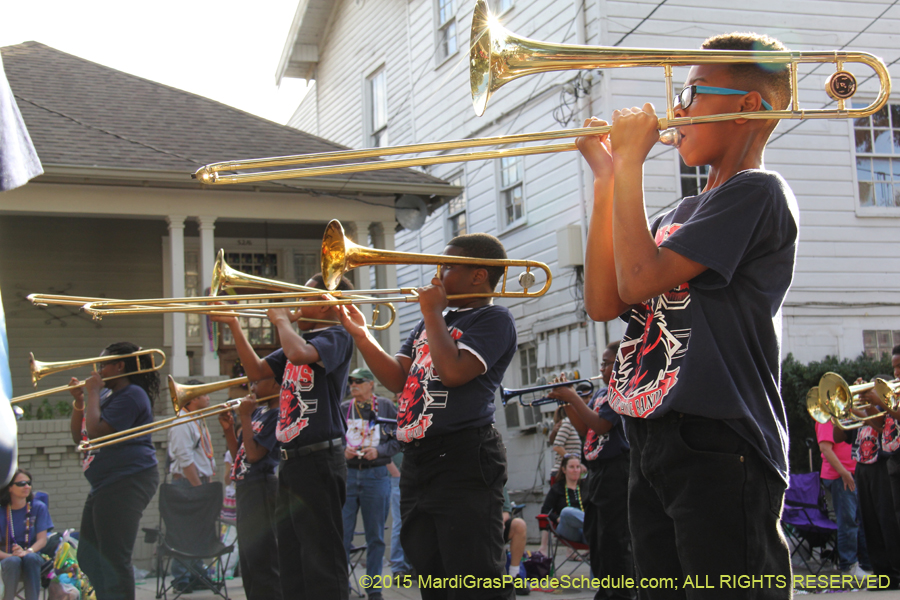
x,y
41,369
497,56
181,395
339,255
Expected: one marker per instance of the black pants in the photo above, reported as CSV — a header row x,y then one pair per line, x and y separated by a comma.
x,y
311,494
109,527
451,501
702,503
893,469
879,519
255,502
606,524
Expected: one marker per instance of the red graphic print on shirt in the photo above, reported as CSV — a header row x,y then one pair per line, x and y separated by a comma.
x,y
293,408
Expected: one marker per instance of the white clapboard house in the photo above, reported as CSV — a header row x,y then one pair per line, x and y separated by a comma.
x,y
396,72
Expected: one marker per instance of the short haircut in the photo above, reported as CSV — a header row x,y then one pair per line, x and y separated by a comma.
x,y
320,283
482,245
614,346
772,81
896,350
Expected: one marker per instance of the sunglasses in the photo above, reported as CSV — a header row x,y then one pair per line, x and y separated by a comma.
x,y
687,95
22,483
357,381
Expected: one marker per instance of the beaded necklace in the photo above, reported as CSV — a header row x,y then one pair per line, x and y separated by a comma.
x,y
205,440
577,495
10,530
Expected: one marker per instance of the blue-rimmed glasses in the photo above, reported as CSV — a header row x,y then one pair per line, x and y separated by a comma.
x,y
686,96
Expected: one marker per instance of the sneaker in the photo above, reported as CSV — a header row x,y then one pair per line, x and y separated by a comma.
x,y
522,590
376,596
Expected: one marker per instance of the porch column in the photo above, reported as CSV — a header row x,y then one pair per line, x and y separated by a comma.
x,y
210,357
178,359
386,278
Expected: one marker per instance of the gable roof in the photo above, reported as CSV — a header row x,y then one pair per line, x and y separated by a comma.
x,y
86,118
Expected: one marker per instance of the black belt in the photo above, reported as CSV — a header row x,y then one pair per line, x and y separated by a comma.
x,y
364,465
288,453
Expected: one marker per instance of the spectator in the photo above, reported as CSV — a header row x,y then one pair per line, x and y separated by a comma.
x,y
370,446
564,504
25,525
838,467
515,532
565,439
191,464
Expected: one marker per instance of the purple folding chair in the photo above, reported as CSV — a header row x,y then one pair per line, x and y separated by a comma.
x,y
806,523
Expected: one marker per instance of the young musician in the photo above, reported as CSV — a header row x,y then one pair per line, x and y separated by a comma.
x,y
697,373
454,464
256,454
312,370
123,476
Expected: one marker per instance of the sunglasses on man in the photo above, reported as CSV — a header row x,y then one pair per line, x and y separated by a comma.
x,y
355,381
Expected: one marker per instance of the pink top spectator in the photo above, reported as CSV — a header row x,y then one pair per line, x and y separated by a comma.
x,y
825,433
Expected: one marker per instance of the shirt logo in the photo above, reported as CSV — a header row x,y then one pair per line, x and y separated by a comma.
x,y
292,408
413,420
594,442
650,355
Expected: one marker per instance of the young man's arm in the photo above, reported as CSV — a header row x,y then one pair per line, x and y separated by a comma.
x,y
601,290
454,366
296,349
391,371
256,368
643,270
253,450
589,418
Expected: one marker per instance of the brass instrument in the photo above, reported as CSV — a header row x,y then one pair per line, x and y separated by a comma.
x,y
497,56
835,400
340,254
507,394
41,369
181,395
226,278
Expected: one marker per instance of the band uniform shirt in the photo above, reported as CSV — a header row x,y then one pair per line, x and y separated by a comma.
x,y
427,406
191,444
39,521
711,346
597,447
865,443
123,409
310,402
363,431
264,420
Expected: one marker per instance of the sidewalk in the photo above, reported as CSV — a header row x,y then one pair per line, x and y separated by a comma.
x,y
146,591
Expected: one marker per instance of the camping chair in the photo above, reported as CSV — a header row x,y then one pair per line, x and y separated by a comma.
x,y
356,556
576,552
190,532
806,523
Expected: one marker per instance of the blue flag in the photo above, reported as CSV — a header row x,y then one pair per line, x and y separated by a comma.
x,y
18,163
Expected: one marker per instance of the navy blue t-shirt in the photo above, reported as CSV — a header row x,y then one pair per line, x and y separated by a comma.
x,y
598,448
711,346
123,409
39,520
310,403
264,420
427,406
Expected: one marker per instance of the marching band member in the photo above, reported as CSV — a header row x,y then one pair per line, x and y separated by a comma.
x,y
312,370
123,477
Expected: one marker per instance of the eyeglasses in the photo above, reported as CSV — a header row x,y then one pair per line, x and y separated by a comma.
x,y
22,483
357,381
605,364
686,96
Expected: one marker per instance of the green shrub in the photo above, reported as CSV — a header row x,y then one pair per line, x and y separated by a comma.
x,y
797,379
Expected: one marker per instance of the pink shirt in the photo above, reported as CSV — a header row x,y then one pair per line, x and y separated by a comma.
x,y
825,433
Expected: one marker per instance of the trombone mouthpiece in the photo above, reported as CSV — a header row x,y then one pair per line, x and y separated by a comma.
x,y
670,137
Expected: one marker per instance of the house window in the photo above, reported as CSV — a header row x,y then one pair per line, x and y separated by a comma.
x,y
693,179
456,211
499,7
530,415
378,115
446,32
259,330
879,342
512,197
877,141
306,264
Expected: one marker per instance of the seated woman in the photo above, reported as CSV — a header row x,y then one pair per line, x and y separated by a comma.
x,y
564,504
25,522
